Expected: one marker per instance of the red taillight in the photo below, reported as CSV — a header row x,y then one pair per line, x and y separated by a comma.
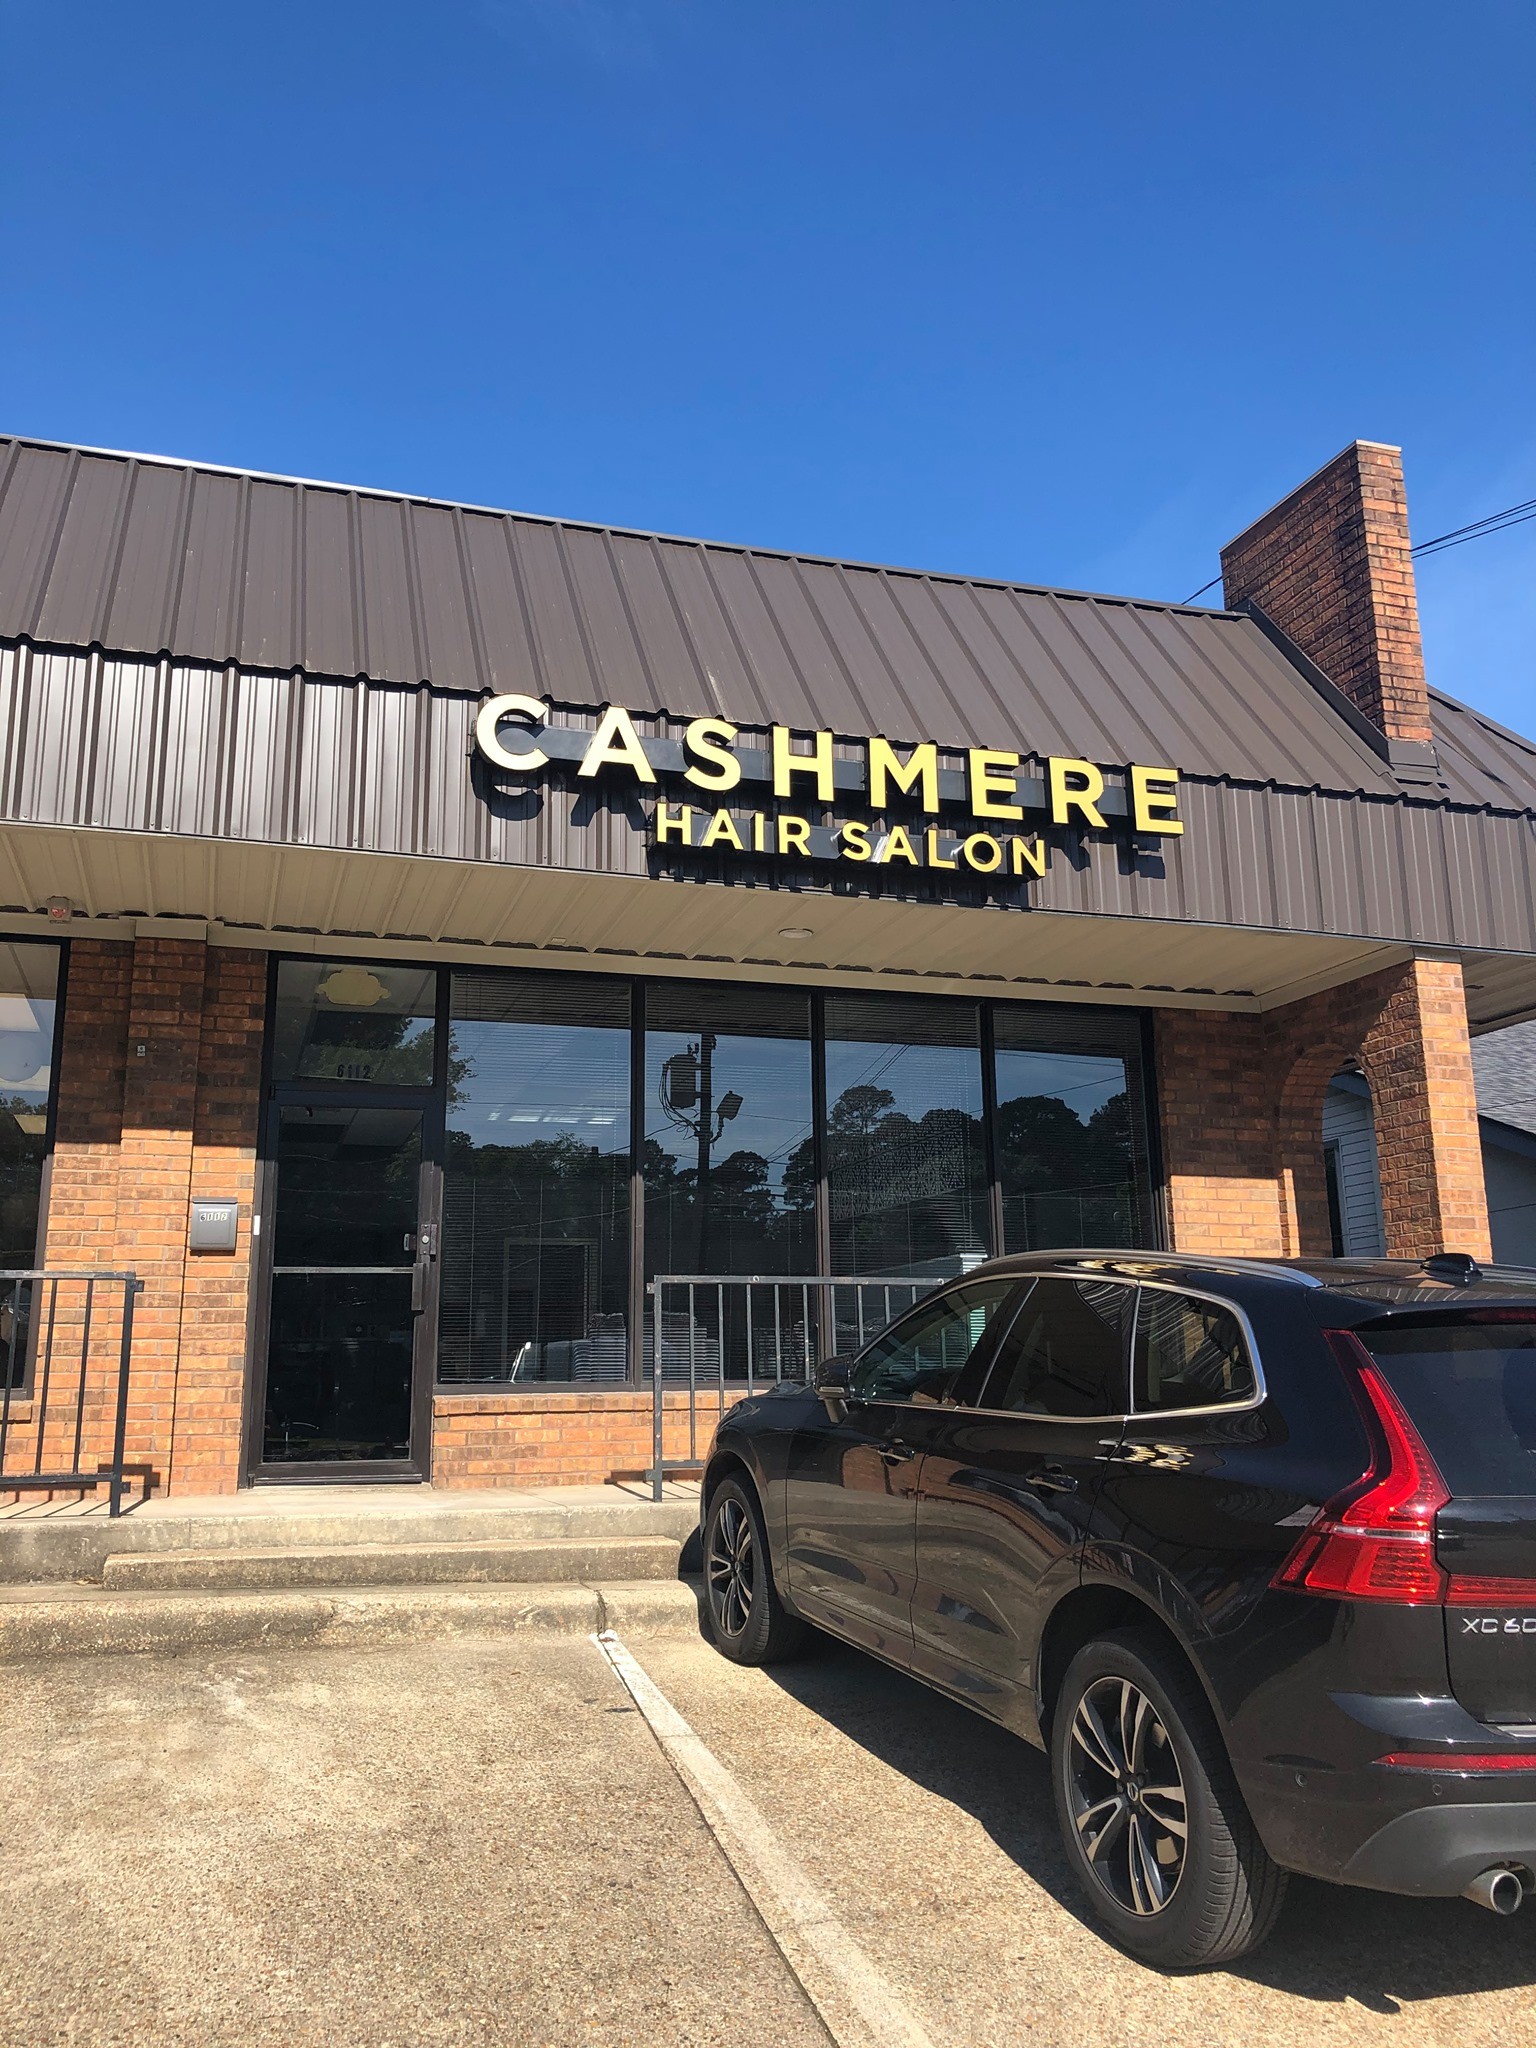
x,y
1466,1591
1376,1539
1459,1766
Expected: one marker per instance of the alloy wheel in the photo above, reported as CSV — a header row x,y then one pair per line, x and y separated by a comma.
x,y
1128,1800
730,1568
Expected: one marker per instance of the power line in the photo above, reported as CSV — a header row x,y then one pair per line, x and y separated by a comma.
x,y
1496,522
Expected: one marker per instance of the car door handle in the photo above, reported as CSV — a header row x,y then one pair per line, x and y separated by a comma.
x,y
1051,1479
896,1452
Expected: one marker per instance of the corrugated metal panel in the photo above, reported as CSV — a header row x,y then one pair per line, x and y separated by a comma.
x,y
1483,763
148,557
198,750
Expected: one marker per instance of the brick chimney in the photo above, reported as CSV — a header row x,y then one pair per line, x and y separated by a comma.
x,y
1330,565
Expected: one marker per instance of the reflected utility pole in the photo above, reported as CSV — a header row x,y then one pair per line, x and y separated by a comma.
x,y
688,1100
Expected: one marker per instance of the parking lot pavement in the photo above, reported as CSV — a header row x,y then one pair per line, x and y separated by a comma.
x,y
476,1842
932,1834
442,1843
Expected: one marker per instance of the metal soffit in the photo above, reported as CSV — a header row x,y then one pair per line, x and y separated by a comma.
x,y
143,556
309,898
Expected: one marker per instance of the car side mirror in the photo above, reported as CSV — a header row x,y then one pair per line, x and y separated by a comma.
x,y
833,1383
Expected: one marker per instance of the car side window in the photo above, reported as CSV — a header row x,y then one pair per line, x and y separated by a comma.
x,y
920,1357
1065,1354
1189,1353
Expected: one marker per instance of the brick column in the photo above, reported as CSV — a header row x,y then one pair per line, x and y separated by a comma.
x,y
216,1286
1242,1103
1418,1059
159,1099
1218,1132
155,1173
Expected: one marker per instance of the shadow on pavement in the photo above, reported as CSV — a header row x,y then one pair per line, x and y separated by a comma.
x,y
1332,1943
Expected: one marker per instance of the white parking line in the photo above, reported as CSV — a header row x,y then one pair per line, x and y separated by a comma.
x,y
856,2002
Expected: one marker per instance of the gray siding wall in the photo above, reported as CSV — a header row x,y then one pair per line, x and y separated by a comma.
x,y
1348,1123
1509,1170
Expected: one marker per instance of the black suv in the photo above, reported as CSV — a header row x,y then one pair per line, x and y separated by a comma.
x,y
1248,1547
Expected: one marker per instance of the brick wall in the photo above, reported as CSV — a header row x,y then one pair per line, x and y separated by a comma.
x,y
573,1439
217,1285
1331,565
1242,1103
158,1101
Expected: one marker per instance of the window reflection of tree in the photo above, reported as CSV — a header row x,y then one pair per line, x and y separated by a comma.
x,y
903,1190
1067,1179
752,1228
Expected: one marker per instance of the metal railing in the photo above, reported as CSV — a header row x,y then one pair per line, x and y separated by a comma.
x,y
66,1342
722,1336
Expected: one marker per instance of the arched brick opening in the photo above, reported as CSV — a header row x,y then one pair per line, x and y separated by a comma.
x,y
1299,1145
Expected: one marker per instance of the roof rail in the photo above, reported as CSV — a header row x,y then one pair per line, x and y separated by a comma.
x,y
1269,1269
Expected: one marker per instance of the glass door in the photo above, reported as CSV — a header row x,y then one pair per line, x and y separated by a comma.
x,y
352,1296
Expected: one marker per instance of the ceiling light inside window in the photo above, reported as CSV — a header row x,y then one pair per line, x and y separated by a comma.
x,y
353,988
796,931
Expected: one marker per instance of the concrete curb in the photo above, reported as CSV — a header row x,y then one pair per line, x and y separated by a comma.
x,y
563,1560
91,1623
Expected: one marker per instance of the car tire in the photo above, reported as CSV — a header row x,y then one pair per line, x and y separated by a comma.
x,y
747,1621
1135,1756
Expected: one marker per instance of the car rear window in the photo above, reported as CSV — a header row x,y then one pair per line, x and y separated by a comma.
x,y
1470,1386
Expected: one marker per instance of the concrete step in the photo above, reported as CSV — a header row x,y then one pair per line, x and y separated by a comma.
x,y
41,1544
73,1621
560,1560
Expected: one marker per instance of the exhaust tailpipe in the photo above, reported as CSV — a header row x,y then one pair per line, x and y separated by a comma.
x,y
1499,1891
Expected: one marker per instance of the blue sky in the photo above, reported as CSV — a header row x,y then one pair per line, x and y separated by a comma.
x,y
1057,292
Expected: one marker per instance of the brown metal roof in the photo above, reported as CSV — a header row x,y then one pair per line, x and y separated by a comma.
x,y
1482,763
143,556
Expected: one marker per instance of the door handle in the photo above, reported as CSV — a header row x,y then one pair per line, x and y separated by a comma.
x,y
896,1452
1051,1479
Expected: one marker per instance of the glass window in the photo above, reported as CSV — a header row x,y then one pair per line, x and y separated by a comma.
x,y
730,1183
351,1020
29,980
348,1184
1470,1387
1065,1354
535,1254
906,1169
1071,1127
920,1357
1189,1353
